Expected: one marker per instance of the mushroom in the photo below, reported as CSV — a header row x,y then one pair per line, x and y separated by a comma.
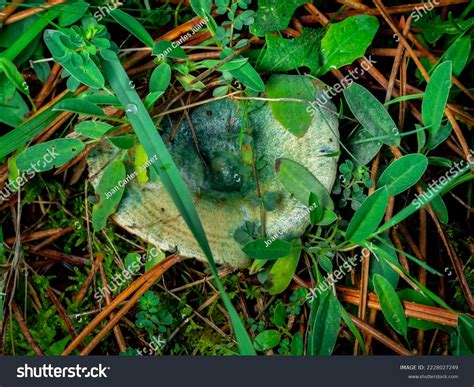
x,y
209,157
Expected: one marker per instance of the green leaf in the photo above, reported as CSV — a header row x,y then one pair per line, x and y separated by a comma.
x,y
173,182
249,77
266,249
403,173
160,78
164,48
13,108
282,272
436,97
279,315
463,339
274,15
291,54
422,201
347,41
232,65
363,145
323,333
202,8
368,216
291,86
297,344
110,194
49,155
267,340
87,72
458,53
392,308
378,262
15,77
141,163
350,324
93,129
72,12
317,213
133,26
123,142
372,114
300,182
79,106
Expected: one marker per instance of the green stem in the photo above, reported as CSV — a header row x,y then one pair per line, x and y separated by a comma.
x,y
153,144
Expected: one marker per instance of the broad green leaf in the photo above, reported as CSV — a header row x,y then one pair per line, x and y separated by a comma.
x,y
72,12
300,182
378,262
87,72
329,217
123,142
458,53
279,315
282,272
363,145
372,114
133,26
297,344
274,15
160,78
93,129
267,249
164,48
368,216
347,41
267,340
291,54
317,212
438,138
392,308
49,155
436,97
403,173
295,87
249,77
110,193
323,333
79,106
169,175
463,339
202,8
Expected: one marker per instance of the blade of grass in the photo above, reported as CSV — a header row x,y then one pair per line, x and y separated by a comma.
x,y
153,144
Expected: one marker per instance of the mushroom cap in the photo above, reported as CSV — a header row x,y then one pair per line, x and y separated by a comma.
x,y
217,182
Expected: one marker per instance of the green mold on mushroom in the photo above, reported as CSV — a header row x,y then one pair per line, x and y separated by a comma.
x,y
219,182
